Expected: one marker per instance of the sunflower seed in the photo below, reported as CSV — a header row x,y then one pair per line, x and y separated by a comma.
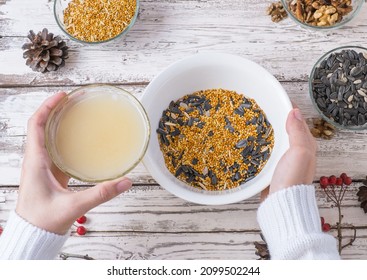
x,y
176,132
178,171
230,128
239,112
241,144
213,180
161,131
190,122
356,71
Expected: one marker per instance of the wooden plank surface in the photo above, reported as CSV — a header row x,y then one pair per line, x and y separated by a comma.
x,y
170,30
148,222
153,209
193,245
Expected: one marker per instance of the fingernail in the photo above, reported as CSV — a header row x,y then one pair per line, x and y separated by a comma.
x,y
297,113
124,185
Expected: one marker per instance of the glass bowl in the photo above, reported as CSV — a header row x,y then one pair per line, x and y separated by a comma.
x,y
316,88
84,140
61,5
356,4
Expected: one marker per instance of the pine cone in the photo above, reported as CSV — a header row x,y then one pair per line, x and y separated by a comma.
x,y
362,196
45,52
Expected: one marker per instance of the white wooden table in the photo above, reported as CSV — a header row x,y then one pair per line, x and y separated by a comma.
x,y
148,222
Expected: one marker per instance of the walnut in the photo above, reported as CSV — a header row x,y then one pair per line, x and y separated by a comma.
x,y
322,129
276,11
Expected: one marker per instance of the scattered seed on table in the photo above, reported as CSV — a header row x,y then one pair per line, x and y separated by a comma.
x,y
215,139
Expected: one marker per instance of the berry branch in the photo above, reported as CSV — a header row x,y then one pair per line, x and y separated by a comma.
x,y
335,189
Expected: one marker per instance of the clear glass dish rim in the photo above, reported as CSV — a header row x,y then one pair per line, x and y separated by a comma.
x,y
131,24
137,104
310,88
319,28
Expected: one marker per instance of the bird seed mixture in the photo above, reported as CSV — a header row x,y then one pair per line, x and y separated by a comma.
x,y
98,20
215,139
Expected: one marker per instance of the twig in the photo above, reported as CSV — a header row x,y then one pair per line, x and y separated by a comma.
x,y
339,225
337,198
65,256
345,189
352,239
334,193
341,191
331,198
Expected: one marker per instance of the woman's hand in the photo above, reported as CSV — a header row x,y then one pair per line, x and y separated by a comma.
x,y
297,166
44,198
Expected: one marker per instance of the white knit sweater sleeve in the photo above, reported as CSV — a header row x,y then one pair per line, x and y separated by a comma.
x,y
290,222
21,240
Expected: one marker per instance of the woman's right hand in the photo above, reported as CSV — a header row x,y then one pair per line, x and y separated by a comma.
x,y
297,166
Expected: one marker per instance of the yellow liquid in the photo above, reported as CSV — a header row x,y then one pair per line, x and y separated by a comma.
x,y
101,137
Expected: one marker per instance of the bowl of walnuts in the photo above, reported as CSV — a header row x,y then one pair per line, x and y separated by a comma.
x,y
322,14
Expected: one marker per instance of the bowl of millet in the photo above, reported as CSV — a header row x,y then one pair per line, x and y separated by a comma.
x,y
93,22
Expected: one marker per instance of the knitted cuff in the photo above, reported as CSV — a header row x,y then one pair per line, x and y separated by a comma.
x,y
290,222
21,240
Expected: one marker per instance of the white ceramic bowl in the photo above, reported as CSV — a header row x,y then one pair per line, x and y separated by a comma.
x,y
208,71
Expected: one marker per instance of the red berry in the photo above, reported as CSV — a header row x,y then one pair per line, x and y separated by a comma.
x,y
343,176
326,227
1,230
324,182
81,230
339,181
332,180
81,220
322,221
347,181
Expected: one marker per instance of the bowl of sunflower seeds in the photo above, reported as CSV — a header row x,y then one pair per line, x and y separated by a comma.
x,y
218,128
338,87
